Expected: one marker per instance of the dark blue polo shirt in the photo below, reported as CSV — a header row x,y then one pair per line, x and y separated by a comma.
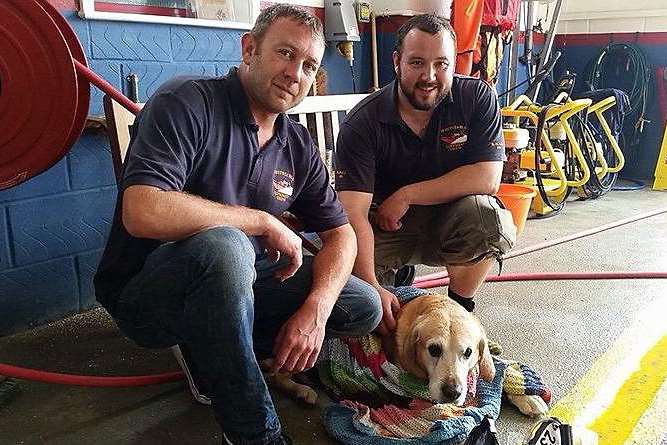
x,y
378,153
198,135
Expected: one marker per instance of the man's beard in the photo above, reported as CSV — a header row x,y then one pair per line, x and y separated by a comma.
x,y
412,96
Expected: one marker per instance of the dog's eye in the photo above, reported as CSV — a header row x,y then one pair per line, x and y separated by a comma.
x,y
435,350
467,353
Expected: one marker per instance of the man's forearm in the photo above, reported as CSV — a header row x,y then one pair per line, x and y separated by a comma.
x,y
171,215
364,265
482,178
332,267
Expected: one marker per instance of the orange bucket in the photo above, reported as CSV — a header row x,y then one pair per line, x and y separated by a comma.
x,y
517,198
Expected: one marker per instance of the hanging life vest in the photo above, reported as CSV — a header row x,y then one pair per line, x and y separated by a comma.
x,y
498,20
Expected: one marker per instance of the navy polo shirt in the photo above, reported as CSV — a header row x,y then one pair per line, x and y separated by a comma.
x,y
198,135
378,153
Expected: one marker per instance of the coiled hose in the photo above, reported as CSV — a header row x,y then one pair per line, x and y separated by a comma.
x,y
624,66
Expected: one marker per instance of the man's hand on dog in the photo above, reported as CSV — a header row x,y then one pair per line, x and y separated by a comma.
x,y
390,308
391,211
299,341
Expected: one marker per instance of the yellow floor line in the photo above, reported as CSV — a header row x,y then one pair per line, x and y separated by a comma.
x,y
652,427
635,396
596,390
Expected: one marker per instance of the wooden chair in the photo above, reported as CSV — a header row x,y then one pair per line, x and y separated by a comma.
x,y
119,120
320,114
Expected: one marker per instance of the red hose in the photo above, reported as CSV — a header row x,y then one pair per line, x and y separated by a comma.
x,y
540,246
91,381
551,276
84,380
106,87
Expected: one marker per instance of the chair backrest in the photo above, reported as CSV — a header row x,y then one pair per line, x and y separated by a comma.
x,y
119,119
320,114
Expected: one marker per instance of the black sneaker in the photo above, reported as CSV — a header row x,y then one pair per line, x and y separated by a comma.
x,y
405,276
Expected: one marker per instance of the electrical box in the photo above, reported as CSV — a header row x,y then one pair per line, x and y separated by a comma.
x,y
363,12
340,21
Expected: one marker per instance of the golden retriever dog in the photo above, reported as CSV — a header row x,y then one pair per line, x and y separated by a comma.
x,y
438,340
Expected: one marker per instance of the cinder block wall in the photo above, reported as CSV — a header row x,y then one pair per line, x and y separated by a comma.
x,y
53,228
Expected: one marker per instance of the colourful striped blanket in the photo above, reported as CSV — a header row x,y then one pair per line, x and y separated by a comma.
x,y
379,403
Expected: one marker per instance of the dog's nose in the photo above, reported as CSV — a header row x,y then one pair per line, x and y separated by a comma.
x,y
450,393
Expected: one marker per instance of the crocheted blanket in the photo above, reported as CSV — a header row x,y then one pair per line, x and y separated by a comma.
x,y
379,403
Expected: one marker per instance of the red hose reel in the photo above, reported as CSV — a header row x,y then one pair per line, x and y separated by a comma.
x,y
42,104
44,89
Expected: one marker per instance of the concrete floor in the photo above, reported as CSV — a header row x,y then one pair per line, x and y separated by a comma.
x,y
559,328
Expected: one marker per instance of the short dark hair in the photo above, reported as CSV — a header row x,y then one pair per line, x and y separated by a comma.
x,y
430,23
281,10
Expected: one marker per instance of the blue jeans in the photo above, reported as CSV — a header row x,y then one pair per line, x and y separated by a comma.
x,y
210,293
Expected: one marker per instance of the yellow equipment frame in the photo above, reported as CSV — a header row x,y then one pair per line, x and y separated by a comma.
x,y
597,109
564,109
524,107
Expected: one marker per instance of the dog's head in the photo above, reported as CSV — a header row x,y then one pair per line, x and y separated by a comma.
x,y
438,340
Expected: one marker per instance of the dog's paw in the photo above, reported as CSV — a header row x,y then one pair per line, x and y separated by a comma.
x,y
283,382
532,406
306,394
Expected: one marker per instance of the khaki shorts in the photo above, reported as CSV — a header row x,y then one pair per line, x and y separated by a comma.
x,y
465,231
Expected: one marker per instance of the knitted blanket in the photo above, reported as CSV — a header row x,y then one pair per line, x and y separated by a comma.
x,y
382,404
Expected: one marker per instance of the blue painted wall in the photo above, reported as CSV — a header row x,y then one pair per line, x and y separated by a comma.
x,y
53,228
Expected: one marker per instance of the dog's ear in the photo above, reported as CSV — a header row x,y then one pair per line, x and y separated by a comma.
x,y
487,369
409,325
409,358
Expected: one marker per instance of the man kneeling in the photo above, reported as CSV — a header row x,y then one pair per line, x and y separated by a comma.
x,y
417,164
197,255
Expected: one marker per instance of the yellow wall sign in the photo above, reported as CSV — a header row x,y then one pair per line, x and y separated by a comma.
x,y
661,166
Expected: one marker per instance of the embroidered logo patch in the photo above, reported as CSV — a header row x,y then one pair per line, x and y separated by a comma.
x,y
454,137
283,185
